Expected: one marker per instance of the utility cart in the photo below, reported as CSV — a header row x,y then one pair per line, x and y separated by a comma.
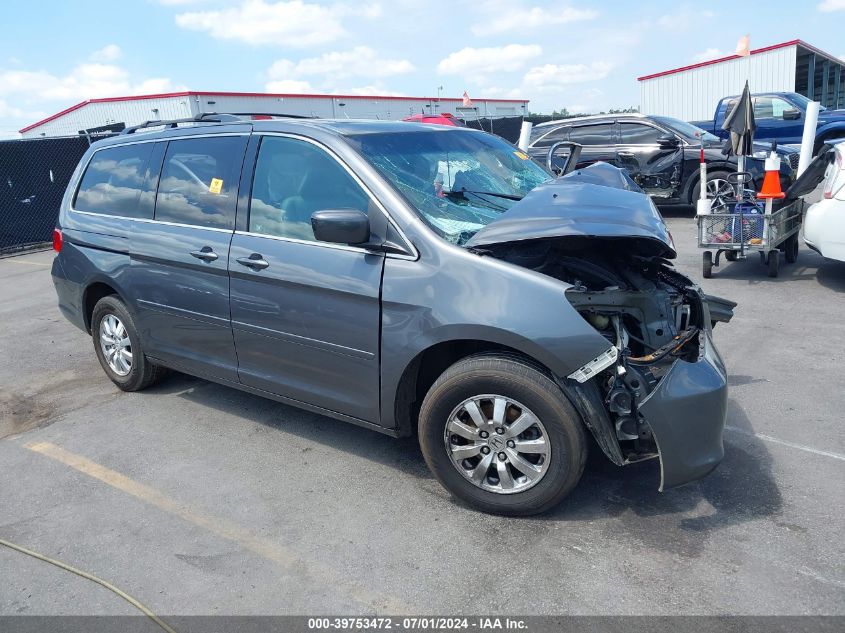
x,y
740,226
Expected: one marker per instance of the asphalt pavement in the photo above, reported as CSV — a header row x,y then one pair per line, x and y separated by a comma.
x,y
200,499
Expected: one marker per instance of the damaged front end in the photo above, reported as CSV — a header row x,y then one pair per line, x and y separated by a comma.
x,y
665,392
660,388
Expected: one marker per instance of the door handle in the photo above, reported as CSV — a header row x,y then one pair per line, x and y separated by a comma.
x,y
254,261
626,154
206,254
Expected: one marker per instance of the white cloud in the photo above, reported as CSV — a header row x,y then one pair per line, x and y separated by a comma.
x,y
512,18
707,55
831,5
361,61
550,77
89,80
7,111
481,61
289,86
292,24
107,54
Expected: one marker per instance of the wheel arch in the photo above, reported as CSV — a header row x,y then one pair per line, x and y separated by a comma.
x,y
93,292
824,134
427,366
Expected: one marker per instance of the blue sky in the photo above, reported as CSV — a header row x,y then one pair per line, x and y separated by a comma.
x,y
583,56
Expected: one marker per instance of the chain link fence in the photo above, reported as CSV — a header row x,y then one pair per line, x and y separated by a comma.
x,y
506,127
33,176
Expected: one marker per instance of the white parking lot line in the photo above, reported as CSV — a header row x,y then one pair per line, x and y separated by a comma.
x,y
800,447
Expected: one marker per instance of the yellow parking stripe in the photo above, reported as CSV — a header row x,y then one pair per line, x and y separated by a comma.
x,y
224,528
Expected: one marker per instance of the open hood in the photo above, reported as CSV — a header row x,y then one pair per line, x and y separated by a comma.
x,y
813,175
577,206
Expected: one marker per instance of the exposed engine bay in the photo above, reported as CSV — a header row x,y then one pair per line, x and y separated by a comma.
x,y
659,388
651,315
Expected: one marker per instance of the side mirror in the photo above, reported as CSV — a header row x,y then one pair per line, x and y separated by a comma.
x,y
571,159
791,115
668,141
341,226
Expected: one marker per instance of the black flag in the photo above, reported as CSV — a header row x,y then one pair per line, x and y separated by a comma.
x,y
740,123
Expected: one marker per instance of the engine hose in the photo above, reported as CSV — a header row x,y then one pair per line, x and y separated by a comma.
x,y
135,603
672,346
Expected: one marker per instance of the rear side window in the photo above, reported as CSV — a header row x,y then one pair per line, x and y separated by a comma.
x,y
113,181
601,134
560,134
199,181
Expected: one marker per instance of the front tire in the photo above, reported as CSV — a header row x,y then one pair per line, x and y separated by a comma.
x,y
499,434
118,346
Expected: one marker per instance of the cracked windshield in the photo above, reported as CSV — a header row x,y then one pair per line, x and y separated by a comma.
x,y
457,182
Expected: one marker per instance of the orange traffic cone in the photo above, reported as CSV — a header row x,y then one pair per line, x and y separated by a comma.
x,y
771,182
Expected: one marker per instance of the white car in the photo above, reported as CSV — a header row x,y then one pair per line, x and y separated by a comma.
x,y
824,223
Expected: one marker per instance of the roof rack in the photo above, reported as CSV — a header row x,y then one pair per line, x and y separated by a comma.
x,y
207,117
274,114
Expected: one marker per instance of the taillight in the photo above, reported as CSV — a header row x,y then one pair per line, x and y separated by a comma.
x,y
57,240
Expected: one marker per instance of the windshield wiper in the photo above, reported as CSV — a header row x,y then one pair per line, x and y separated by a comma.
x,y
461,193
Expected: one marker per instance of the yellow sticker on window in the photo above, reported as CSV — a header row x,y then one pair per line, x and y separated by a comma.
x,y
216,185
521,155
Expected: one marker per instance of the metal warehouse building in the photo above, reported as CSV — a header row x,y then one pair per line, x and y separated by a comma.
x,y
115,112
691,92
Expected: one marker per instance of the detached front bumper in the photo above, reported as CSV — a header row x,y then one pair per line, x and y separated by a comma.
x,y
686,412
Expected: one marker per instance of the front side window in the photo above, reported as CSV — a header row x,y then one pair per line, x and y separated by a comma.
x,y
293,179
690,132
770,107
639,134
601,134
114,180
199,181
457,180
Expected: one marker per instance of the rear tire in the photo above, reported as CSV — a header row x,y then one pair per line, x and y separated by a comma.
x,y
731,256
774,263
500,487
707,264
791,250
118,347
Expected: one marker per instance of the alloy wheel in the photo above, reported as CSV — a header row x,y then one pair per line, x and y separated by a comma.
x,y
115,345
498,444
720,191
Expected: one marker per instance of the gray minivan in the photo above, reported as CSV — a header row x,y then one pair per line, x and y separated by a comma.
x,y
411,279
